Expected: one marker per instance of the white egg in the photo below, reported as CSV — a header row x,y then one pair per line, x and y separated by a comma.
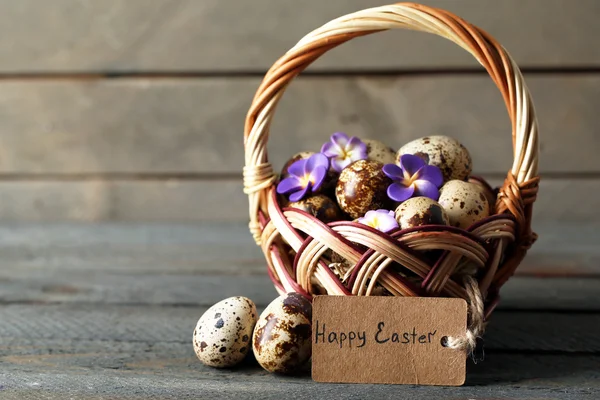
x,y
379,151
464,202
223,333
282,337
452,158
419,211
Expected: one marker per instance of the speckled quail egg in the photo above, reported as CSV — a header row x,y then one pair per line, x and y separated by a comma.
x,y
379,151
319,206
222,335
464,202
362,186
328,185
447,153
419,211
490,194
282,337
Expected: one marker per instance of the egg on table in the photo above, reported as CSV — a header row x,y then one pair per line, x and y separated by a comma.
x,y
464,202
362,186
320,207
282,337
223,333
379,151
419,211
446,153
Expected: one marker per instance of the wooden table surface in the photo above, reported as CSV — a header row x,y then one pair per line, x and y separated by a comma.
x,y
107,311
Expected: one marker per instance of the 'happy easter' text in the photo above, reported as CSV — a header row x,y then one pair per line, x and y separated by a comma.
x,y
379,335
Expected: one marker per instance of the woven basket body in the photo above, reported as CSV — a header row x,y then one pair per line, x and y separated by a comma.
x,y
425,261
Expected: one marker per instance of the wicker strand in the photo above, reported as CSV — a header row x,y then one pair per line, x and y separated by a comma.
x,y
476,319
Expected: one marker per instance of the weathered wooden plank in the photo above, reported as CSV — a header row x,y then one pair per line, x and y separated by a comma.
x,y
176,35
211,248
50,361
507,331
563,201
36,286
177,359
101,200
510,376
195,125
201,264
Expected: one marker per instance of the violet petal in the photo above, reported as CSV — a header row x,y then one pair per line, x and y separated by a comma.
x,y
296,196
288,185
399,192
427,189
330,149
358,150
387,223
411,163
314,161
393,171
338,164
340,139
317,176
432,174
297,168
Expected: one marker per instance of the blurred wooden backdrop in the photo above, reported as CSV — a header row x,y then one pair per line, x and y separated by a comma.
x,y
133,110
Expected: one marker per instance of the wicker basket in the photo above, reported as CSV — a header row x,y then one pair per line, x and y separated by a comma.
x,y
472,263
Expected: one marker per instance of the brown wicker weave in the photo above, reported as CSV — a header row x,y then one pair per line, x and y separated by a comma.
x,y
299,248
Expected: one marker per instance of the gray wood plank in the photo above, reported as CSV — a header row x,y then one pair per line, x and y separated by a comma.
x,y
562,201
567,249
119,351
171,35
107,200
533,331
150,126
195,265
181,289
511,377
178,360
169,288
200,264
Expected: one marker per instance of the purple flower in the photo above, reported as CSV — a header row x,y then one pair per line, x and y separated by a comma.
x,y
343,151
413,178
382,220
305,176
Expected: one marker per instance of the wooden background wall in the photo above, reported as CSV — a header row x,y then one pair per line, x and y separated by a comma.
x,y
133,110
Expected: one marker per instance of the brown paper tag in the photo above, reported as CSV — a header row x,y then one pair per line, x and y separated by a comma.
x,y
387,340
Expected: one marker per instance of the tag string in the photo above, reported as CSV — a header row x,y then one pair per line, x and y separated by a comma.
x,y
476,319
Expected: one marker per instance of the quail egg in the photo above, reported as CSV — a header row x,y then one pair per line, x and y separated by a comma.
x,y
464,202
452,158
319,206
362,186
222,335
282,337
419,211
379,151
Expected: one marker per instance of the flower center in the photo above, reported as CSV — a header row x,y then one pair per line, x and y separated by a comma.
x,y
344,154
373,223
306,179
408,179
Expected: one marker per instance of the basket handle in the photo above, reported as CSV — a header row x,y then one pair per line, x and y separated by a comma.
x,y
520,187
